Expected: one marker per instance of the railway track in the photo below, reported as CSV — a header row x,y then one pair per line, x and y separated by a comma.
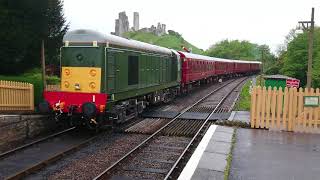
x,y
162,152
26,159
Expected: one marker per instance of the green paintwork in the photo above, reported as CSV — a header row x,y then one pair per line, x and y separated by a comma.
x,y
156,71
275,83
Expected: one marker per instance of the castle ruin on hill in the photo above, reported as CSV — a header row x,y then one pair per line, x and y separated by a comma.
x,y
122,26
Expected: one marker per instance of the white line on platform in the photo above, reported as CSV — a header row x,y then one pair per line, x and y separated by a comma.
x,y
193,162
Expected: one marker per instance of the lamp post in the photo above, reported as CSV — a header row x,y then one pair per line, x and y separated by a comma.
x,y
309,26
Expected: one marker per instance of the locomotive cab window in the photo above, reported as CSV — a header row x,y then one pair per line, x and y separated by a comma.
x,y
133,70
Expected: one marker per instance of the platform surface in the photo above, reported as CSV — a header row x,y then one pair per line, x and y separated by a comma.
x,y
209,159
242,116
265,155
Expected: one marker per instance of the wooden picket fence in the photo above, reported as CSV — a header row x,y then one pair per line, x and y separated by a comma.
x,y
16,96
284,110
53,87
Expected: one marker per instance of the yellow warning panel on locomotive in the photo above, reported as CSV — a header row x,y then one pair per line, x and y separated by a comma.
x,y
81,79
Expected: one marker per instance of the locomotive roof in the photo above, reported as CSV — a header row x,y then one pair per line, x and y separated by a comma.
x,y
86,35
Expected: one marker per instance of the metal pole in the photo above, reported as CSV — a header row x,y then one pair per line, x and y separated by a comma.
x,y
43,64
310,50
262,61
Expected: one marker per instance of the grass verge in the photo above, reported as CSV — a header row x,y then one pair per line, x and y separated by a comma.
x,y
229,158
244,99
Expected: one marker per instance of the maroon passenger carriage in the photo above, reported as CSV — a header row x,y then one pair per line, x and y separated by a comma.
x,y
196,69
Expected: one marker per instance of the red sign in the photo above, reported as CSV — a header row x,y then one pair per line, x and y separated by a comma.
x,y
293,83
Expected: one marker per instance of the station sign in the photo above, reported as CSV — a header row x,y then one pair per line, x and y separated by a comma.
x,y
311,101
293,83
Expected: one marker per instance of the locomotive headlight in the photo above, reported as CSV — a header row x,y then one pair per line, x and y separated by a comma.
x,y
93,72
92,85
79,57
66,84
77,86
67,72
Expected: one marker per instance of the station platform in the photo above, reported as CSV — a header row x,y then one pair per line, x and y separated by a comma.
x,y
209,160
263,155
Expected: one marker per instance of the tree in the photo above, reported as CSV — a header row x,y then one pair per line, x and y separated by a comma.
x,y
242,50
24,23
55,31
295,58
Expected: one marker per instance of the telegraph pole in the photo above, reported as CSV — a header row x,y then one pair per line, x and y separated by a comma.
x,y
262,60
309,26
43,64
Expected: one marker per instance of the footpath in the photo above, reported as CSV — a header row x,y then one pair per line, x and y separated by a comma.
x,y
265,155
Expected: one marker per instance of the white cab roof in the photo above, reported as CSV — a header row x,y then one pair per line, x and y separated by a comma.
x,y
85,35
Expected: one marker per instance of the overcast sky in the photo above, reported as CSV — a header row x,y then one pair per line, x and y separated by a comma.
x,y
201,22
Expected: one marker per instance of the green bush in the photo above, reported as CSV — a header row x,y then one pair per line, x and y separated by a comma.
x,y
53,80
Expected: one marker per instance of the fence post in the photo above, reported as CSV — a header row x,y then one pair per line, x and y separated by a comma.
x,y
268,103
253,107
273,107
258,112
311,113
290,107
31,97
294,108
316,113
279,106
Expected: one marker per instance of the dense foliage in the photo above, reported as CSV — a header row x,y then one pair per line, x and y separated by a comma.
x,y
243,50
24,24
171,40
293,57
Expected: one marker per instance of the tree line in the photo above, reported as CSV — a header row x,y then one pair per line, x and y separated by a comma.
x,y
24,24
243,50
291,58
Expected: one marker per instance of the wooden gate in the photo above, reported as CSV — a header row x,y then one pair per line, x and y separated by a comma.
x,y
284,110
16,96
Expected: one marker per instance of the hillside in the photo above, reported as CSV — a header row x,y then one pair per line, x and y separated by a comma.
x,y
172,40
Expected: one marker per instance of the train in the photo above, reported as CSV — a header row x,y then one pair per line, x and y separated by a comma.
x,y
107,80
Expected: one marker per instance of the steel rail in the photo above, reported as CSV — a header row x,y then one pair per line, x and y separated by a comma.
x,y
105,173
7,153
51,159
168,176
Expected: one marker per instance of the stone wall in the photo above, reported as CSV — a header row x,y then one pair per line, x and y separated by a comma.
x,y
135,21
122,24
17,128
159,30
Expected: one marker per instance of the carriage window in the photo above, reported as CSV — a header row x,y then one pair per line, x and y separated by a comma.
x,y
133,70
